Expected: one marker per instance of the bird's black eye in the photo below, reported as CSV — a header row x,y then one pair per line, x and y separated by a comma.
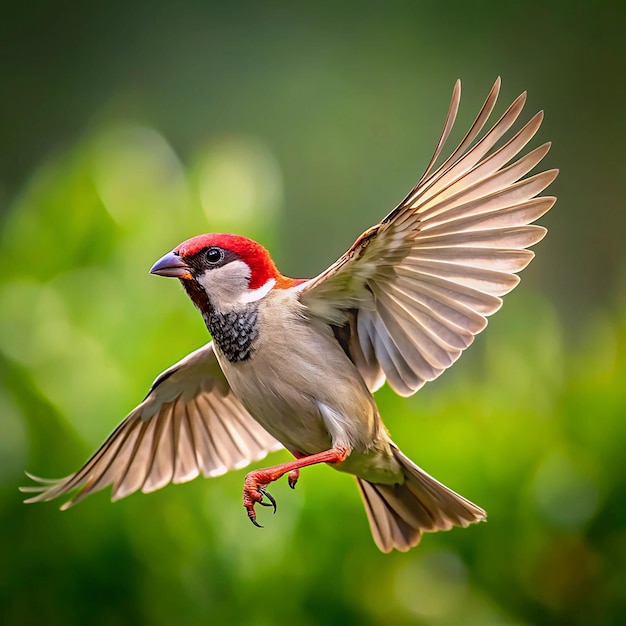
x,y
214,255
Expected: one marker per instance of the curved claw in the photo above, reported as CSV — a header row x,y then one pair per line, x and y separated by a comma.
x,y
269,496
253,520
292,479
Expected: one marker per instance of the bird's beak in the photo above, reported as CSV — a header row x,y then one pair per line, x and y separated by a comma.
x,y
171,265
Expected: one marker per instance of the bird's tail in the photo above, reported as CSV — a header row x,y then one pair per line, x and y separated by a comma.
x,y
398,514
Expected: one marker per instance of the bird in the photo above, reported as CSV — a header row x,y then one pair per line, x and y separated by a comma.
x,y
294,363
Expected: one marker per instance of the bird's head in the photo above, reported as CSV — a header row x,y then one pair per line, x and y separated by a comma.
x,y
222,270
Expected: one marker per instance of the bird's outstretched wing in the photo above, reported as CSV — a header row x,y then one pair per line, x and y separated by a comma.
x,y
412,292
189,423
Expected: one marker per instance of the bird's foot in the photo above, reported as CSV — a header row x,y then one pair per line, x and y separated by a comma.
x,y
254,493
254,486
293,478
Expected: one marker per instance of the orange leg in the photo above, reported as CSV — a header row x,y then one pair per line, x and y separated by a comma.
x,y
254,486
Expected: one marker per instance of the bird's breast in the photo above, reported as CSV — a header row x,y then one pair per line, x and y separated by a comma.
x,y
298,383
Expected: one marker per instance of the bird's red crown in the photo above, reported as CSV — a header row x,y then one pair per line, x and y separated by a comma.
x,y
256,257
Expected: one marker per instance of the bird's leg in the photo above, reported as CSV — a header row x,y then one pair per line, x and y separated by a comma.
x,y
254,487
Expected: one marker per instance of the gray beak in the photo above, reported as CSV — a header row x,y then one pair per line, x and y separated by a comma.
x,y
172,266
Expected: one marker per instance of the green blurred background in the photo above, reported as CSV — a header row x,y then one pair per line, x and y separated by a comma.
x,y
129,126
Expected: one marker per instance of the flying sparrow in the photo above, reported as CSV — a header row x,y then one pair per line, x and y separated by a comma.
x,y
294,363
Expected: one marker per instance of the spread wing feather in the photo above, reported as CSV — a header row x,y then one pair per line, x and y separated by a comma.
x,y
189,424
415,289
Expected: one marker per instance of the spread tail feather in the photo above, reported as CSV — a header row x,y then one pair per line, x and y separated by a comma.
x,y
398,514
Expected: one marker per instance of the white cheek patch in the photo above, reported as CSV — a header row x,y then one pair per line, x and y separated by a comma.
x,y
256,294
224,285
227,286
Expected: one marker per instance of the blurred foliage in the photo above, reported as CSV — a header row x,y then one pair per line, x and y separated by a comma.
x,y
301,118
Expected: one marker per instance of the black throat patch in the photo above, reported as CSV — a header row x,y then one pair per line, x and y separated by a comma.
x,y
234,332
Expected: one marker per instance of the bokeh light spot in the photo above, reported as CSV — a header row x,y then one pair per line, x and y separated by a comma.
x,y
564,493
137,174
434,585
239,183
